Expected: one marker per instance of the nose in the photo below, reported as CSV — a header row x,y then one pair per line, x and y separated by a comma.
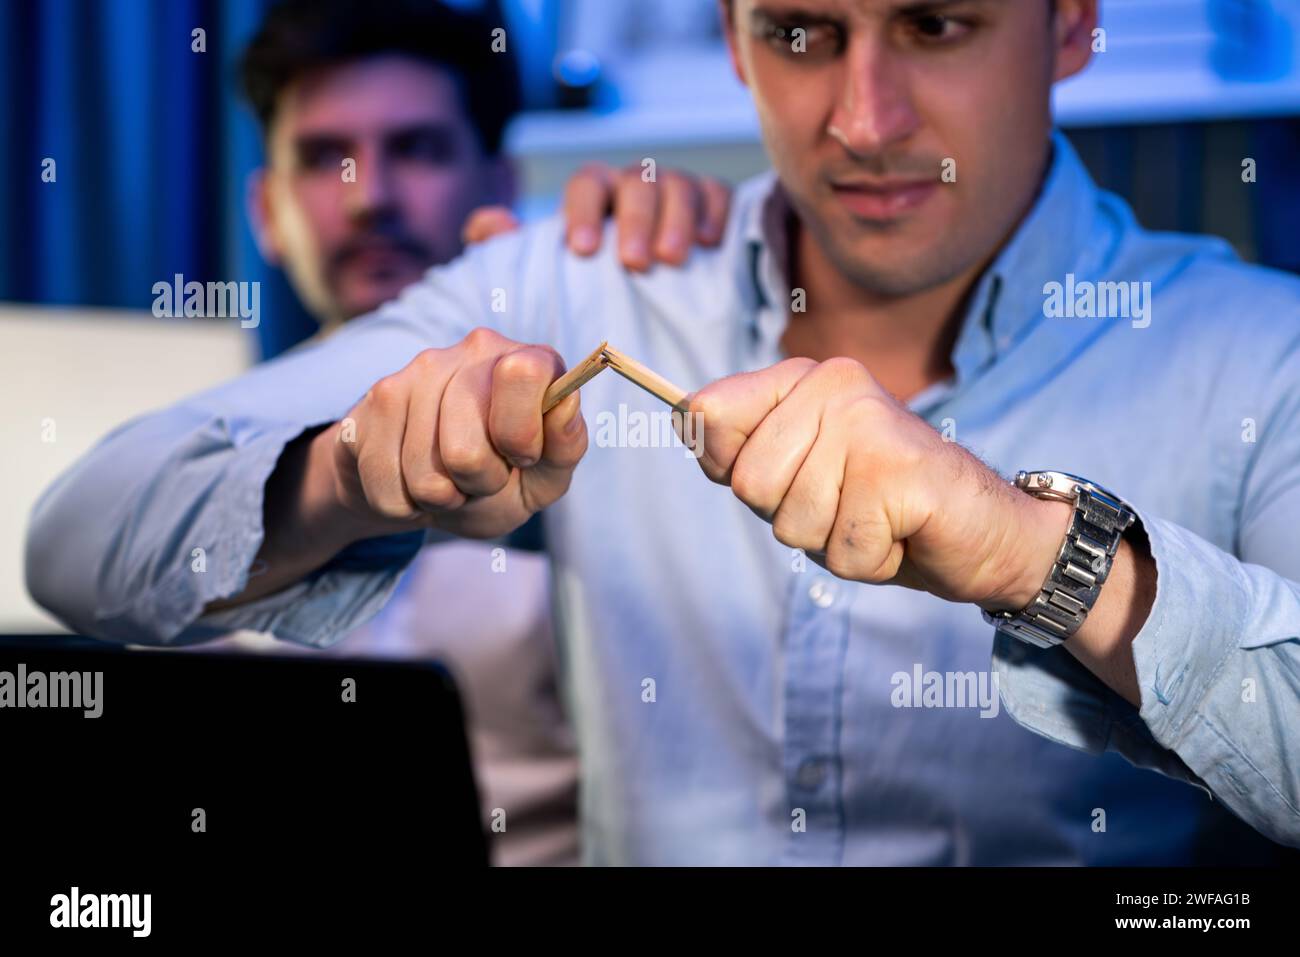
x,y
372,195
875,108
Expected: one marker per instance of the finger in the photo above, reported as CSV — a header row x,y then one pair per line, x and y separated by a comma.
x,y
378,439
772,456
679,203
519,381
730,409
565,443
634,214
714,206
861,544
467,453
807,512
426,478
486,222
587,199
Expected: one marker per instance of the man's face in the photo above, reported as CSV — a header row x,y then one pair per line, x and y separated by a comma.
x,y
885,97
352,242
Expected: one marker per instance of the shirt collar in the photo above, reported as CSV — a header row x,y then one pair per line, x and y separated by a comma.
x,y
1008,297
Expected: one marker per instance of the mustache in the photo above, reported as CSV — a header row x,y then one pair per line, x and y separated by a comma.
x,y
390,237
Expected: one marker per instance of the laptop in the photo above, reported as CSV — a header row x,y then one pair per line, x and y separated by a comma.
x,y
136,764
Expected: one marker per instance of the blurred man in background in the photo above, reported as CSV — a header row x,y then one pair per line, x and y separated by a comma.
x,y
383,125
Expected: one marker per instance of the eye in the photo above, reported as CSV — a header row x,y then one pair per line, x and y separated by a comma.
x,y
320,154
794,37
433,146
939,28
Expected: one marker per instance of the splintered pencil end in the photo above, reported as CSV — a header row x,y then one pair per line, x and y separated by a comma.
x,y
603,357
575,378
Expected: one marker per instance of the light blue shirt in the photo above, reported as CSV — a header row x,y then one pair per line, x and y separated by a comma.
x,y
735,705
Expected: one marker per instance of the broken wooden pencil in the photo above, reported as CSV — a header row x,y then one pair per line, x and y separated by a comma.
x,y
652,382
604,356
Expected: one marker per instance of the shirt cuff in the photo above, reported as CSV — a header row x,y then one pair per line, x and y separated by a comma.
x,y
222,470
1048,691
327,605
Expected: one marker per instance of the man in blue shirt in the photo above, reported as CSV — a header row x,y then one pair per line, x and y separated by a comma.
x,y
795,669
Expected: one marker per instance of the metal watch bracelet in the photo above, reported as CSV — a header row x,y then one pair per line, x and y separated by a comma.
x,y
1082,565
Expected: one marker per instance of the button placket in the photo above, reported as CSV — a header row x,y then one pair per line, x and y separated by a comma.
x,y
815,646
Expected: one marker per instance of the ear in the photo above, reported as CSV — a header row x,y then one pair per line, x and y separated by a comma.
x,y
1072,27
261,219
726,10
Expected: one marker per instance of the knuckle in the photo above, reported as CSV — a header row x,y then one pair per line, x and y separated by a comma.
x,y
387,504
378,484
515,365
837,563
842,369
466,458
786,531
388,509
877,413
482,339
433,491
800,366
841,560
706,404
528,363
749,483
386,393
427,361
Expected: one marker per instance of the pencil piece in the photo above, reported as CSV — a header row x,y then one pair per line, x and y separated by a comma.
x,y
652,382
575,378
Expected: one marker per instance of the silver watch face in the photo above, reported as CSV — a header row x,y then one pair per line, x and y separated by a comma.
x,y
1046,483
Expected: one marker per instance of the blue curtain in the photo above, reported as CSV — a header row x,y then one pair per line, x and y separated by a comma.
x,y
151,149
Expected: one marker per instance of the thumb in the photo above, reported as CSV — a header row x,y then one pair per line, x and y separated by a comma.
x,y
730,409
564,443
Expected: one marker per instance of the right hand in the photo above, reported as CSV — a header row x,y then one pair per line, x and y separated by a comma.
x,y
457,441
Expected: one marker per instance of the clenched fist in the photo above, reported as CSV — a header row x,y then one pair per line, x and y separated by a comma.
x,y
457,441
867,489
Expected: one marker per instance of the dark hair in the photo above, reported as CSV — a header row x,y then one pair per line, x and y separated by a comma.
x,y
299,36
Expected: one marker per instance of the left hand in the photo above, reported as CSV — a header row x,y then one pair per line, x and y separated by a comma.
x,y
657,221
844,471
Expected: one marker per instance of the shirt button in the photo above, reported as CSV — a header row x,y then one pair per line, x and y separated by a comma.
x,y
823,592
812,772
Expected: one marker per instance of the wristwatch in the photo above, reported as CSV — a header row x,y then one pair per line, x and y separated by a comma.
x,y
1099,522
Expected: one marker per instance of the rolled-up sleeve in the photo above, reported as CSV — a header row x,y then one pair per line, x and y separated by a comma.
x,y
1218,658
164,515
